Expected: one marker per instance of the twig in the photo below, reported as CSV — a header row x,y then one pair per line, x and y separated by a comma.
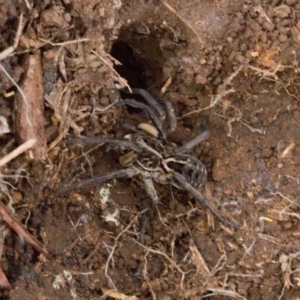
x,y
19,229
22,148
29,6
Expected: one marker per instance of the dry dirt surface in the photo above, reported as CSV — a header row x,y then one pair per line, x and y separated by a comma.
x,y
230,67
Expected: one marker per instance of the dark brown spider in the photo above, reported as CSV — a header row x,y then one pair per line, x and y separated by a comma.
x,y
147,153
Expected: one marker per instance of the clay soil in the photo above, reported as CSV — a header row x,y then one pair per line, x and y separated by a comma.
x,y
234,64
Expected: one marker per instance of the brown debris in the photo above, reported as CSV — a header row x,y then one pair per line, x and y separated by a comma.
x,y
29,107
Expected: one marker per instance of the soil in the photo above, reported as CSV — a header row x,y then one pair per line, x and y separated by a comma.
x,y
233,63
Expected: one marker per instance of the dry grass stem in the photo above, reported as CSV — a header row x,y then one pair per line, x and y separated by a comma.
x,y
265,73
111,253
172,262
122,80
65,43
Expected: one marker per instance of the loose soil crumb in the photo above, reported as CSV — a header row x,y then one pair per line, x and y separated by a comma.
x,y
233,62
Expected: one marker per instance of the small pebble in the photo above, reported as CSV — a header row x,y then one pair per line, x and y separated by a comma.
x,y
227,192
282,38
288,225
268,26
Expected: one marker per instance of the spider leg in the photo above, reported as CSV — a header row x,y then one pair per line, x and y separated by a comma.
x,y
153,103
149,112
101,141
180,179
194,142
194,170
99,179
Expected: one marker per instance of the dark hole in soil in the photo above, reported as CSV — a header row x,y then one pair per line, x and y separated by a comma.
x,y
141,61
141,56
132,68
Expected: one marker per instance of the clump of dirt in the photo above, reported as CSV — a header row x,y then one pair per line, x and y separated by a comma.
x,y
234,64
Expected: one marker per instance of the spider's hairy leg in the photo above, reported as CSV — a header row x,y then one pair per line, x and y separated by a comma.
x,y
194,171
180,179
194,142
101,141
152,102
99,179
155,105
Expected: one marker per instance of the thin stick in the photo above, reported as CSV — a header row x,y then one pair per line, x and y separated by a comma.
x,y
65,43
22,148
13,223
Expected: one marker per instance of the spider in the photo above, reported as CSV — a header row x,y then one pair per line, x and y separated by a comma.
x,y
146,152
